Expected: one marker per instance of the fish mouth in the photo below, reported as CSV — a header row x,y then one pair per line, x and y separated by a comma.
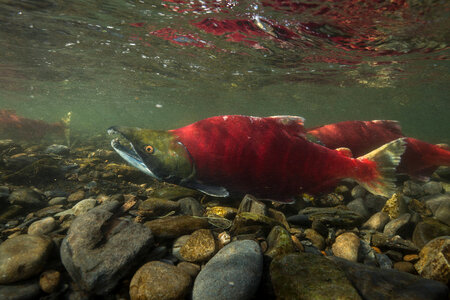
x,y
129,154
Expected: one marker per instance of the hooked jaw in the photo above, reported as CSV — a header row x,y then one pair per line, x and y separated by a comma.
x,y
130,154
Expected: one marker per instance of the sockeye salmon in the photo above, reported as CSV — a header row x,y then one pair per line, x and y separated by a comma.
x,y
269,158
420,159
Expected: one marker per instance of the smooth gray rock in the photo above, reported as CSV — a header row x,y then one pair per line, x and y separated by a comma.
x,y
378,284
377,221
99,250
400,226
233,273
190,207
26,198
359,207
57,149
432,188
22,257
440,207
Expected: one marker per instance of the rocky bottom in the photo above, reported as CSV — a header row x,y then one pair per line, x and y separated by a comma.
x,y
79,224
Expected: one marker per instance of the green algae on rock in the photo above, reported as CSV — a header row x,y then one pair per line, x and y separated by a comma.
x,y
309,276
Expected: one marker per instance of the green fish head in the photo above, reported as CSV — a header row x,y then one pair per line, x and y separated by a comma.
x,y
155,152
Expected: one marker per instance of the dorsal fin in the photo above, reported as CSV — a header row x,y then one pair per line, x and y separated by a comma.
x,y
287,120
392,125
345,151
292,124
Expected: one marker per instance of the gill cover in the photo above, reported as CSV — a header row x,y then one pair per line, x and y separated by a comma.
x,y
156,152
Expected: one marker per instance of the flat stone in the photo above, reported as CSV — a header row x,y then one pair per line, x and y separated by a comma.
x,y
99,250
378,284
399,226
158,206
175,226
23,256
346,246
189,268
233,273
57,149
83,206
159,281
300,220
173,192
199,247
333,217
252,205
57,200
377,221
395,243
405,266
412,189
26,198
309,276
434,262
42,227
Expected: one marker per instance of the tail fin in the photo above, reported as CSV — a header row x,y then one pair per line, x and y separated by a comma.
x,y
386,159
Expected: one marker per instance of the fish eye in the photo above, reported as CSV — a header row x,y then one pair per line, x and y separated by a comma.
x,y
149,149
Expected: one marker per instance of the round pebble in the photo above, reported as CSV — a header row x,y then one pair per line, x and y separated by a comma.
x,y
43,226
347,246
159,281
49,281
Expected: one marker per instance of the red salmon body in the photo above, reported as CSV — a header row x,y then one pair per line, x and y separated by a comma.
x,y
420,159
267,157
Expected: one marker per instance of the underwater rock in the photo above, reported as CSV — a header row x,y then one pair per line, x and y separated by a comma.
x,y
23,256
432,188
395,206
358,192
172,192
252,205
316,239
42,227
412,189
26,198
46,169
10,212
395,243
427,230
440,207
99,249
333,217
76,196
377,221
233,273
300,220
177,244
347,246
279,242
405,266
358,206
191,207
189,268
434,262
402,226
159,281
57,149
175,226
199,247
49,281
57,200
309,276
221,211
377,284
22,290
158,206
246,222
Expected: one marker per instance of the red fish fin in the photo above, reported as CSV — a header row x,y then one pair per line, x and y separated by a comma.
x,y
391,125
382,162
345,151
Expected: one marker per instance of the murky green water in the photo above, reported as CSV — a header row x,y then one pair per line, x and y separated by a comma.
x,y
164,64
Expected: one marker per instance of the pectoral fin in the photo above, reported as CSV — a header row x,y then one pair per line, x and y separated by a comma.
x,y
215,191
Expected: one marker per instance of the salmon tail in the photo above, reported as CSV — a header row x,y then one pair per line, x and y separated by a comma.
x,y
382,163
